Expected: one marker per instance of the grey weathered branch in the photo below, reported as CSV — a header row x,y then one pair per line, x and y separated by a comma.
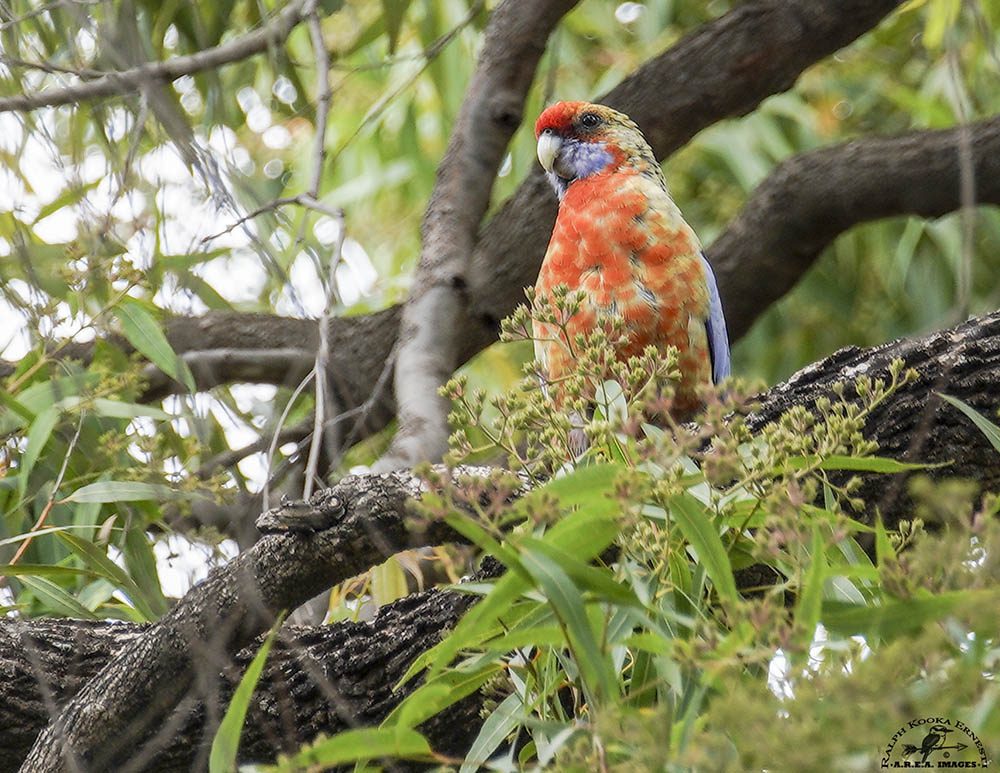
x,y
129,684
431,335
133,79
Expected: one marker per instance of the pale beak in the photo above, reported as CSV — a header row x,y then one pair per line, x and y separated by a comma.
x,y
549,145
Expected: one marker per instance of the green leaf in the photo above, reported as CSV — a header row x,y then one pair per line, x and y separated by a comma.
x,y
226,743
884,551
700,532
141,563
941,16
642,684
388,582
117,409
855,463
72,195
589,578
394,11
358,746
498,725
987,427
38,437
40,396
96,559
144,333
437,694
567,602
44,570
58,599
584,533
897,618
124,491
810,603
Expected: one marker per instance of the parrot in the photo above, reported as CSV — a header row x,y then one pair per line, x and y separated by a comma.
x,y
621,240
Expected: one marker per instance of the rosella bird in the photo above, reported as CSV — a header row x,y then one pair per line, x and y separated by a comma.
x,y
620,238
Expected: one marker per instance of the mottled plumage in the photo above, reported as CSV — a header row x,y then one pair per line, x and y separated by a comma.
x,y
620,238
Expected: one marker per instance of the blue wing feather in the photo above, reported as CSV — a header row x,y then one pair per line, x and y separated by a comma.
x,y
718,338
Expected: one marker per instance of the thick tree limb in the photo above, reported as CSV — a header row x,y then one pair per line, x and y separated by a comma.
x,y
915,425
344,532
142,682
810,199
133,79
431,335
316,680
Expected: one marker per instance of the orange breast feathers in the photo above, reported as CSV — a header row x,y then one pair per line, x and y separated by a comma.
x,y
620,238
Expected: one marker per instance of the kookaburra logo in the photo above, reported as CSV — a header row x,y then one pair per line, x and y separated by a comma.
x,y
935,743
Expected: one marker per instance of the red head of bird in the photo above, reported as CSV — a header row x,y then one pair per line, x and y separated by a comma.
x,y
579,139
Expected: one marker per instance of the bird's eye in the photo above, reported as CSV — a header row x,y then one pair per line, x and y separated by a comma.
x,y
589,120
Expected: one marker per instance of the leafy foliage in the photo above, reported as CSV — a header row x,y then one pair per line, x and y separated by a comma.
x,y
617,638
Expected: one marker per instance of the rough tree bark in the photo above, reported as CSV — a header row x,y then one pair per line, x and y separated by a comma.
x,y
283,570
128,682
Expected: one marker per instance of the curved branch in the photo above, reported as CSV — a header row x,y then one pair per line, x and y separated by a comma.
x,y
342,532
810,199
345,529
431,334
126,81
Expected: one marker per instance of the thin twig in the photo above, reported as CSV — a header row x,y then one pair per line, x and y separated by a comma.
x,y
323,360
306,200
266,494
52,494
135,78
323,97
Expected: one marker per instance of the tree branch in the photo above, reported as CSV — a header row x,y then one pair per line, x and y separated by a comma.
x,y
316,680
133,79
431,334
810,199
342,532
354,525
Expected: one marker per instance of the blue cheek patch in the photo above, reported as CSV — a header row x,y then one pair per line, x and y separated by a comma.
x,y
576,160
587,158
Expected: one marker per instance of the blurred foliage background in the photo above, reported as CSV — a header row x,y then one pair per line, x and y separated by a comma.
x,y
105,224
